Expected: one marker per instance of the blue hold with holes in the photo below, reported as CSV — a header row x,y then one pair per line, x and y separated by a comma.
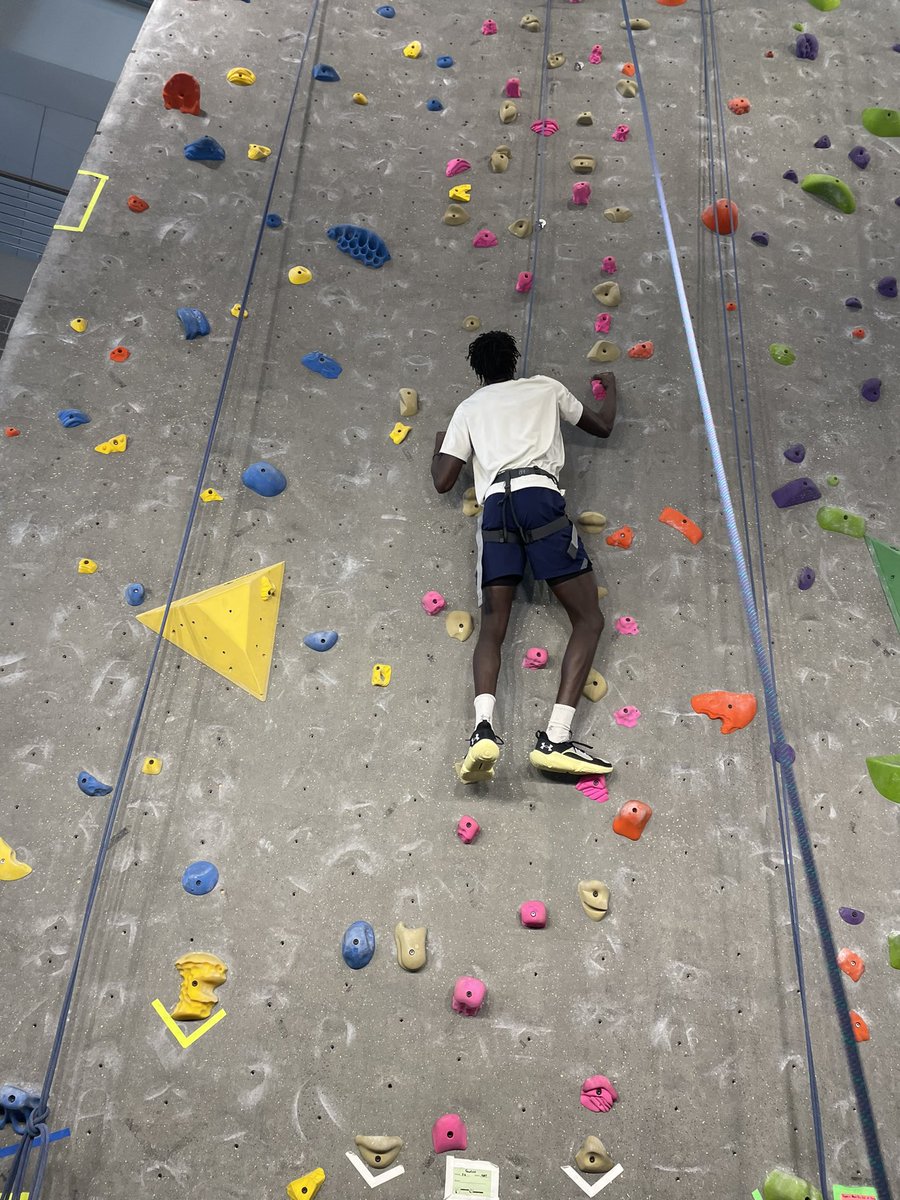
x,y
322,364
91,786
264,479
444,61
134,594
321,640
274,221
200,877
434,106
358,945
70,417
205,149
194,322
325,74
362,244
386,10
16,1106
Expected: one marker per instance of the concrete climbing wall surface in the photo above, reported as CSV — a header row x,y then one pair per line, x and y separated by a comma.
x,y
335,800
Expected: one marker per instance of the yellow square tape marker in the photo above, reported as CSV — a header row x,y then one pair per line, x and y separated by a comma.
x,y
93,200
183,1040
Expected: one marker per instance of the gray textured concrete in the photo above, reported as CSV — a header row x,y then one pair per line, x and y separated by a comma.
x,y
333,800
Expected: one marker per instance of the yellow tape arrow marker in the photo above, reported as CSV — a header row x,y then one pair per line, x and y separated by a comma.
x,y
79,228
182,1039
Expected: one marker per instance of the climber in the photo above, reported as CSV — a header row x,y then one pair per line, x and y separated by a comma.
x,y
511,429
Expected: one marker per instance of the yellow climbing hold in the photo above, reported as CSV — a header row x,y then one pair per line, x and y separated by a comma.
x,y
152,766
306,1186
257,152
209,494
413,50
462,192
236,311
399,432
86,566
381,675
10,867
228,628
79,324
241,75
267,589
300,275
116,445
359,98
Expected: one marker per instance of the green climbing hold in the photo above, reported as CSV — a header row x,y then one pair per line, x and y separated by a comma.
x,y
782,354
883,122
894,949
884,771
838,520
798,25
832,480
825,5
887,567
830,189
780,1185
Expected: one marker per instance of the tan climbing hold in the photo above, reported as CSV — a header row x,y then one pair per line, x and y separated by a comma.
x,y
595,687
523,227
602,592
594,897
583,164
531,23
608,293
584,118
459,625
627,88
411,954
592,1158
555,60
603,351
617,213
470,505
471,324
636,23
409,402
500,159
455,215
379,1152
508,112
591,522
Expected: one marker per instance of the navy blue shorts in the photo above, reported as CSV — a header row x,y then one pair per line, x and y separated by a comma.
x,y
548,558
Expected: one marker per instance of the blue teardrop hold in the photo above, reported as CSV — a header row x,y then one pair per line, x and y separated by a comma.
x,y
264,479
134,594
444,61
91,786
322,364
205,149
362,244
200,877
274,221
194,321
70,417
434,106
806,579
386,10
322,640
358,945
325,74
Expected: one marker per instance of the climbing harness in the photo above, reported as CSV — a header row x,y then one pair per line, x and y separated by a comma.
x,y
526,536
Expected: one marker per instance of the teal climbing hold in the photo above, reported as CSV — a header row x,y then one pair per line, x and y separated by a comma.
x,y
884,771
830,189
883,122
782,354
887,567
838,520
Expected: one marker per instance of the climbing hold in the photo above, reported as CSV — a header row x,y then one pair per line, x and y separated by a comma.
x,y
508,112
409,402
360,98
182,91
413,50
134,594
11,868
734,709
79,324
859,1026
851,963
204,149
596,55
602,323
10,431
870,390
627,717
467,829
194,322
267,589
322,364
434,105
723,218
525,281
455,215
137,205
628,627
830,189
470,505
459,625
796,452
825,5
461,192
235,311
617,213
380,1151
484,237
858,333
119,354
513,87
592,1158
883,122
307,1185
860,157
739,105
760,238
535,659
449,1133
641,350
581,193
321,640
594,897
805,579
635,23
731,306
381,675
264,479
86,566
115,445
631,819
455,166
782,354
884,772
273,221
358,945
620,133
488,27
595,686
499,160
894,950
533,914
91,786
209,494
325,74
151,765
200,877
791,176
852,916
410,943
555,60
300,275
531,23
242,76
547,127
433,603
468,996
583,164
598,1094
258,153
584,118
780,1185
627,88
823,143
362,244
627,69
887,287
444,61
386,10
70,417
594,789
590,521
832,480
399,432
887,567
838,520
796,491
521,228
604,352
622,538
677,520
471,324
807,46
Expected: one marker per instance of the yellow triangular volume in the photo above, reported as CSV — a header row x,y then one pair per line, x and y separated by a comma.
x,y
230,628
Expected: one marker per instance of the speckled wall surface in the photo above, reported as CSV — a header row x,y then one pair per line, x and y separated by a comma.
x,y
333,800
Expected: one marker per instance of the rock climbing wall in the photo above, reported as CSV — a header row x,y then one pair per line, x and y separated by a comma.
x,y
335,800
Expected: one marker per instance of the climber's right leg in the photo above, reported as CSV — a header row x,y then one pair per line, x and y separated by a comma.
x,y
484,744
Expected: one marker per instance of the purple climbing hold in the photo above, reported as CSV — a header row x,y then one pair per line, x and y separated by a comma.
x,y
823,143
897,201
784,754
806,579
791,175
853,302
853,916
760,238
795,453
887,287
871,390
860,156
807,46
796,491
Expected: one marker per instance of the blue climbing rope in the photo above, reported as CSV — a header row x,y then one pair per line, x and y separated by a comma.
x,y
782,753
36,1125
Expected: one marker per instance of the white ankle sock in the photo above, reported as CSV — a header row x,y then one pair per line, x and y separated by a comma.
x,y
559,727
484,708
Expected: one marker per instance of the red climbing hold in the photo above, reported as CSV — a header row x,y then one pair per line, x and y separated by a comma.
x,y
628,69
860,1028
631,819
858,332
731,306
724,219
851,963
677,520
621,537
119,354
182,91
136,204
11,431
734,709
641,350
739,105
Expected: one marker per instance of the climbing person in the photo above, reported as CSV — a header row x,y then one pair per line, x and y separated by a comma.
x,y
510,428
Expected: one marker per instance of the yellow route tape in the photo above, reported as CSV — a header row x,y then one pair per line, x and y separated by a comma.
x,y
93,200
185,1040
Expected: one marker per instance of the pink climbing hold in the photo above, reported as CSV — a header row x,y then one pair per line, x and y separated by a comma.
x,y
488,26
449,1133
581,193
513,87
596,54
602,324
524,282
468,996
467,830
456,166
598,389
627,716
535,658
594,789
533,914
609,265
484,237
433,602
621,132
546,126
627,626
598,1094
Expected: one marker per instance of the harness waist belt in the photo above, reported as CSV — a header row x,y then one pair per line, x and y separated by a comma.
x,y
527,536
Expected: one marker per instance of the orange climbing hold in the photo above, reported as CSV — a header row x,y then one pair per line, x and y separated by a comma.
x,y
119,354
858,332
677,520
11,431
739,105
851,963
734,709
860,1028
730,306
721,219
628,69
641,350
621,537
136,204
670,3
631,819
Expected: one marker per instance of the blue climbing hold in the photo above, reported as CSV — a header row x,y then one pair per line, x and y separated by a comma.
x,y
205,149
16,1106
134,594
264,479
200,877
870,389
853,302
805,579
444,61
274,221
194,322
361,244
807,46
791,176
321,640
795,453
70,417
860,156
386,10
796,491
759,238
823,143
434,106
325,74
91,786
322,364
358,945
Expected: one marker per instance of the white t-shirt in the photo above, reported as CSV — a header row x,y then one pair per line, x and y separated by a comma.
x,y
512,424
